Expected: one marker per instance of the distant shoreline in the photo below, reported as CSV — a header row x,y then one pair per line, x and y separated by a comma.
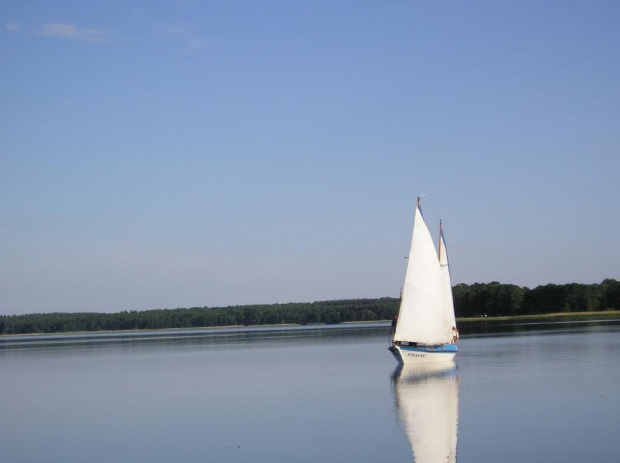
x,y
549,316
480,301
607,314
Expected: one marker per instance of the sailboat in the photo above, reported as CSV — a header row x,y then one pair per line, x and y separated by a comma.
x,y
427,400
425,327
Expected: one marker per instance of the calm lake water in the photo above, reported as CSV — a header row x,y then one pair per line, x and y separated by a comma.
x,y
331,394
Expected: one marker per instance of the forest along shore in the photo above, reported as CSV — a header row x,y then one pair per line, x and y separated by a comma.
x,y
465,324
477,301
560,316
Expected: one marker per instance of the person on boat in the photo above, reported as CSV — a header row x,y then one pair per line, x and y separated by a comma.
x,y
455,335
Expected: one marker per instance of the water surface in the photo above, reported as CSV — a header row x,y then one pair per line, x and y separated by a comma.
x,y
306,394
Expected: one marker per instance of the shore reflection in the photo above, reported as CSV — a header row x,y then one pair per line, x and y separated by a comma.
x,y
427,398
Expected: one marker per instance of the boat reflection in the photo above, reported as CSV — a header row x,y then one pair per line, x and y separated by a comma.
x,y
427,398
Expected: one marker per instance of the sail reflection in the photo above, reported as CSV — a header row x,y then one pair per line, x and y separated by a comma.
x,y
427,398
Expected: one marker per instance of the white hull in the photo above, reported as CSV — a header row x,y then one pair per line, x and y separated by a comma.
x,y
412,356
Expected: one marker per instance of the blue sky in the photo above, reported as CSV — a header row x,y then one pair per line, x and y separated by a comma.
x,y
163,154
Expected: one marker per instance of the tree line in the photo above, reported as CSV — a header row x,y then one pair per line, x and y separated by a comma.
x,y
496,299
479,299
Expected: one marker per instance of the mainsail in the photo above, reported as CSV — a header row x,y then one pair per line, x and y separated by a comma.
x,y
426,314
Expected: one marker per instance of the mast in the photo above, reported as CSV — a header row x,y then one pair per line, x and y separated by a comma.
x,y
439,240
